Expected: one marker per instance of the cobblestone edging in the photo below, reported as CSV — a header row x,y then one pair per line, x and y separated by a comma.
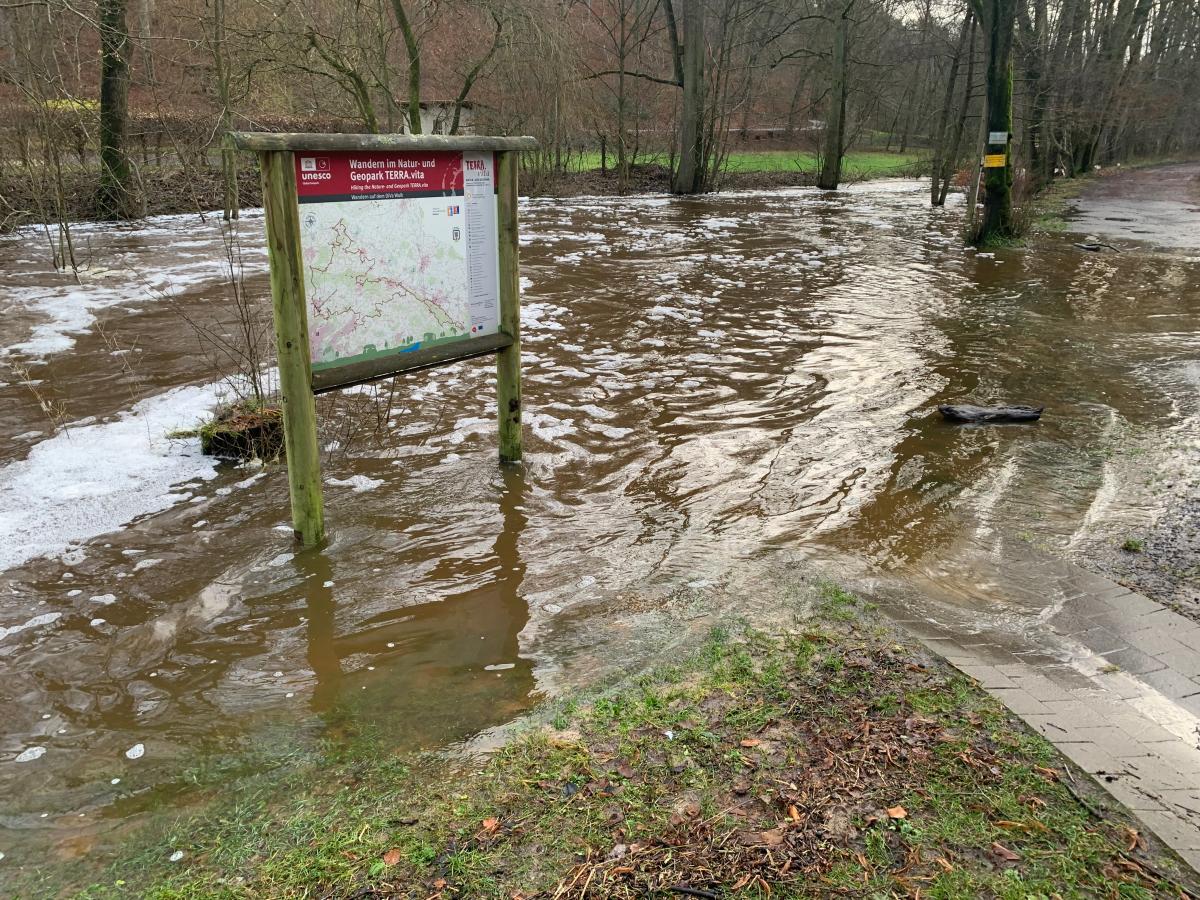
x,y
1117,691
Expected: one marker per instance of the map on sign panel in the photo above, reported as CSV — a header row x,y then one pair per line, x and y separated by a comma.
x,y
399,250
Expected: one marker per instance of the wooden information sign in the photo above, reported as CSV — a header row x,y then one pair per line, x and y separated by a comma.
x,y
388,254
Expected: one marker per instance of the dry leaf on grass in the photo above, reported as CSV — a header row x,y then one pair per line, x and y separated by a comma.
x,y
772,838
392,857
1032,825
624,769
1004,853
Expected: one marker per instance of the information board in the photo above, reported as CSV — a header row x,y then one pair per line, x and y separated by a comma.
x,y
389,254
995,161
399,251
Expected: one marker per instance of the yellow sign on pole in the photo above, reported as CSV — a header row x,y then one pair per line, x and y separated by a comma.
x,y
995,160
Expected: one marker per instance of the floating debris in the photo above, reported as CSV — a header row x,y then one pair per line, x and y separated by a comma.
x,y
967,413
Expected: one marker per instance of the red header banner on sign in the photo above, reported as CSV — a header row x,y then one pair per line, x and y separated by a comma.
x,y
353,175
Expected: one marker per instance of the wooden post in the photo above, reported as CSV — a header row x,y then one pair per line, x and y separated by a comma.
x,y
508,360
291,341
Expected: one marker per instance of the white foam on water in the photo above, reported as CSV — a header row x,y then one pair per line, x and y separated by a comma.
x,y
35,622
609,431
594,411
69,310
88,481
358,483
548,428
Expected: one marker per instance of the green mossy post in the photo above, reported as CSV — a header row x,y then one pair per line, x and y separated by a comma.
x,y
508,360
998,18
291,340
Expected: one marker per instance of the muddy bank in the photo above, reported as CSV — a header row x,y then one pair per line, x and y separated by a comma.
x,y
1161,558
165,191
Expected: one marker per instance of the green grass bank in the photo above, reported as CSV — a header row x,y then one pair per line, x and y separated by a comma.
x,y
820,758
857,163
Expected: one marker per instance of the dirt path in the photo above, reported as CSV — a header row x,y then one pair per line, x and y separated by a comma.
x,y
1159,209
1158,205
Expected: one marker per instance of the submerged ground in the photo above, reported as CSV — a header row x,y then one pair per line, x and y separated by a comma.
x,y
708,381
813,757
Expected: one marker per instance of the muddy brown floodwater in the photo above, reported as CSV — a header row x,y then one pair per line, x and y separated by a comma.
x,y
706,380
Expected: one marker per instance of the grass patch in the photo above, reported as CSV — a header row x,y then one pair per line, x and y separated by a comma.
x,y
827,759
244,430
1048,210
1133,545
855,164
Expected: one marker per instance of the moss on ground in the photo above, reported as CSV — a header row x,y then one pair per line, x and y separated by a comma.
x,y
823,759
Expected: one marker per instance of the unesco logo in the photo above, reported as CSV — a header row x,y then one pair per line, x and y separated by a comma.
x,y
314,168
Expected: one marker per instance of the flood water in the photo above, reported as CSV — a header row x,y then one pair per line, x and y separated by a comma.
x,y
706,380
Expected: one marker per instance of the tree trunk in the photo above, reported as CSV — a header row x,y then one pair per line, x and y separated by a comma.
x,y
117,196
835,122
689,177
942,155
997,204
229,155
145,23
973,185
622,151
473,75
413,49
960,128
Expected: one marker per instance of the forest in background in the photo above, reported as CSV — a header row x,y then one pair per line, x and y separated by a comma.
x,y
115,107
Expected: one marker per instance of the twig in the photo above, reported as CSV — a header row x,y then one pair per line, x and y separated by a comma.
x,y
694,892
1073,790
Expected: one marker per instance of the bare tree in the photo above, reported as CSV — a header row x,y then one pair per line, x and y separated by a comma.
x,y
117,196
835,121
